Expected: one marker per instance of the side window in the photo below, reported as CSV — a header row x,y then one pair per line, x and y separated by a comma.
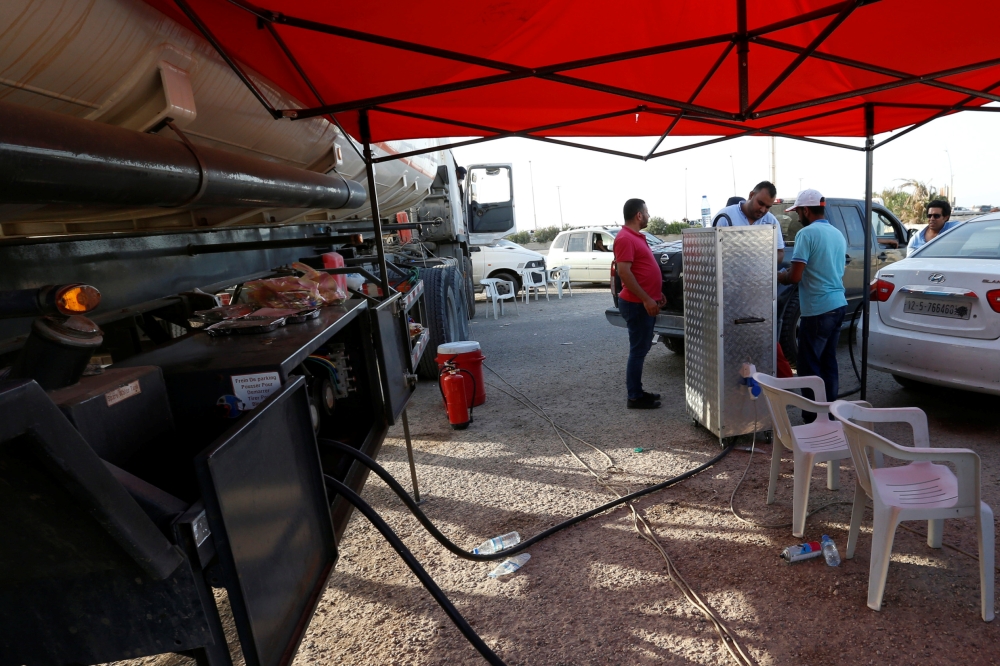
x,y
609,240
560,243
855,230
836,219
577,243
489,186
886,233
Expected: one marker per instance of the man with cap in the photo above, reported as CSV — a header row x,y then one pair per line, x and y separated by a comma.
x,y
818,268
756,209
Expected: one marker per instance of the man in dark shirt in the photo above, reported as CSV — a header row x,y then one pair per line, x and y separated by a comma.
x,y
640,299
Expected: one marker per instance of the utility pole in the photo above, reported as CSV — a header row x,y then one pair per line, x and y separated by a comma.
x,y
774,160
559,194
733,165
686,220
951,187
534,209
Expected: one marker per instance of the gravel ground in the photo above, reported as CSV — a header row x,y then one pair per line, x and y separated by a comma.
x,y
598,594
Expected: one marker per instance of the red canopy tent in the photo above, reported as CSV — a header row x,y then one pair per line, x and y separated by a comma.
x,y
800,69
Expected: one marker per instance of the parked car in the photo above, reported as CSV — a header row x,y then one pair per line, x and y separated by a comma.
x,y
888,246
936,315
503,259
588,252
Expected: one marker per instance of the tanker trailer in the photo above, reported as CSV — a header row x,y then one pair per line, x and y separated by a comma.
x,y
143,460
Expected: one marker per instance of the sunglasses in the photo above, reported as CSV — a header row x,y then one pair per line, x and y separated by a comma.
x,y
934,216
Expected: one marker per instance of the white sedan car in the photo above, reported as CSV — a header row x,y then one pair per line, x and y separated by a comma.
x,y
588,252
936,314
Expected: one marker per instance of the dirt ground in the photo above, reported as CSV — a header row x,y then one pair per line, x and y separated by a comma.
x,y
596,593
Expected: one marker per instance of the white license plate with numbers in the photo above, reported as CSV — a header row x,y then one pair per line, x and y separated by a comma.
x,y
925,306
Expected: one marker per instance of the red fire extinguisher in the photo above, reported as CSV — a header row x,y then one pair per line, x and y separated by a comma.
x,y
452,385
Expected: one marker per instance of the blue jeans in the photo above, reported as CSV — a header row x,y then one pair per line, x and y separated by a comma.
x,y
818,338
640,339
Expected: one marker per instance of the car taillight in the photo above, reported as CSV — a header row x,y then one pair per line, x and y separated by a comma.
x,y
881,290
993,298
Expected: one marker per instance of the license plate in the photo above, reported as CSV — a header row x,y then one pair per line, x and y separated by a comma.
x,y
923,306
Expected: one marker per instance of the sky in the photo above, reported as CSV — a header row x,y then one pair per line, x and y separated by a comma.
x,y
581,187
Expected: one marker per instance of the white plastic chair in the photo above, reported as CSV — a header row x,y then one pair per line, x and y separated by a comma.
x,y
921,490
534,278
820,441
492,286
559,276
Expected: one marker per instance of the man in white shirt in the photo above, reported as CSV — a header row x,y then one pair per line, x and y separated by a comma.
x,y
755,210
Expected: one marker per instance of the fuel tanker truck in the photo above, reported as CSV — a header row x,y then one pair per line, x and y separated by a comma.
x,y
198,313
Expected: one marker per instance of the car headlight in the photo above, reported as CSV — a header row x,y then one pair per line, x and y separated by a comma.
x,y
537,263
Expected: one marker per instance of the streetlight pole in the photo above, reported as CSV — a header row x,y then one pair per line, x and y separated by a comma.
x,y
951,186
534,209
559,194
732,164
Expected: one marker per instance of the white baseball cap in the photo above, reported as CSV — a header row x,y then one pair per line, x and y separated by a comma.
x,y
808,198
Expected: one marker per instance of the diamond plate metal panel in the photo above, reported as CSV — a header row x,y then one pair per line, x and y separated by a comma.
x,y
749,268
701,327
729,275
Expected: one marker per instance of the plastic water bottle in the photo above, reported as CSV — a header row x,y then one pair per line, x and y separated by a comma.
x,y
510,565
706,212
497,544
830,552
803,551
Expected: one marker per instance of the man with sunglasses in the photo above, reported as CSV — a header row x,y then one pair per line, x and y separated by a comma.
x,y
938,222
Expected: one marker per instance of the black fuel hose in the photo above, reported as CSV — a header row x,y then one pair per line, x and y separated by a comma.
x,y
852,332
507,552
421,573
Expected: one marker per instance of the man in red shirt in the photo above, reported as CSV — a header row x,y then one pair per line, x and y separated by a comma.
x,y
640,299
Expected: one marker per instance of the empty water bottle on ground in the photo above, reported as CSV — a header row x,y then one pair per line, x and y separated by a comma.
x,y
496,544
510,565
802,551
830,552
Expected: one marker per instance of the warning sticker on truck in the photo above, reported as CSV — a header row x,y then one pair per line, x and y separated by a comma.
x,y
254,389
122,393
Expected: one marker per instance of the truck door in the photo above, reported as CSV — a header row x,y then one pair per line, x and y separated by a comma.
x,y
890,239
489,196
847,218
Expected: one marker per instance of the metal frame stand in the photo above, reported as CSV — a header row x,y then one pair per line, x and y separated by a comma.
x,y
409,455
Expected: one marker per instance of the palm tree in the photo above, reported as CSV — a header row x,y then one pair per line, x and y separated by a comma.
x,y
909,200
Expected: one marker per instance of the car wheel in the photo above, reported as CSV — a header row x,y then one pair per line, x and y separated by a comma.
x,y
789,337
909,384
676,345
510,277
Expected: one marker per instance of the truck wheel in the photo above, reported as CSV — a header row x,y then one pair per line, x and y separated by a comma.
x,y
445,307
470,289
789,337
676,345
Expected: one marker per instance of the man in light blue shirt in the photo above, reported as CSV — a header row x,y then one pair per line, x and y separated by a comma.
x,y
818,268
755,210
938,222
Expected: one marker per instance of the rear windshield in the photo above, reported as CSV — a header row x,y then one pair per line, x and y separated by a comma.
x,y
980,240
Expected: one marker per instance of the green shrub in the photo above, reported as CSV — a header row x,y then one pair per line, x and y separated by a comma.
x,y
660,227
520,237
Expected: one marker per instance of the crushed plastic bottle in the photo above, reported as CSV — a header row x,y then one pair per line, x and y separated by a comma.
x,y
510,565
830,552
802,551
496,544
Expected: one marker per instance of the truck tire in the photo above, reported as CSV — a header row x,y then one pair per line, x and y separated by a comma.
x,y
676,345
789,337
470,289
445,306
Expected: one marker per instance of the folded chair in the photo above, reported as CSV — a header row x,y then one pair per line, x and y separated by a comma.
x,y
820,441
921,490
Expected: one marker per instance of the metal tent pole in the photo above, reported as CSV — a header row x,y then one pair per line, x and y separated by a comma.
x,y
865,291
366,139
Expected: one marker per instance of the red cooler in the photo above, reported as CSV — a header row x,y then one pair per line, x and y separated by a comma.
x,y
466,356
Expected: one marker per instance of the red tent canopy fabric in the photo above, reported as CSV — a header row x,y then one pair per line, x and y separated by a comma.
x,y
557,68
